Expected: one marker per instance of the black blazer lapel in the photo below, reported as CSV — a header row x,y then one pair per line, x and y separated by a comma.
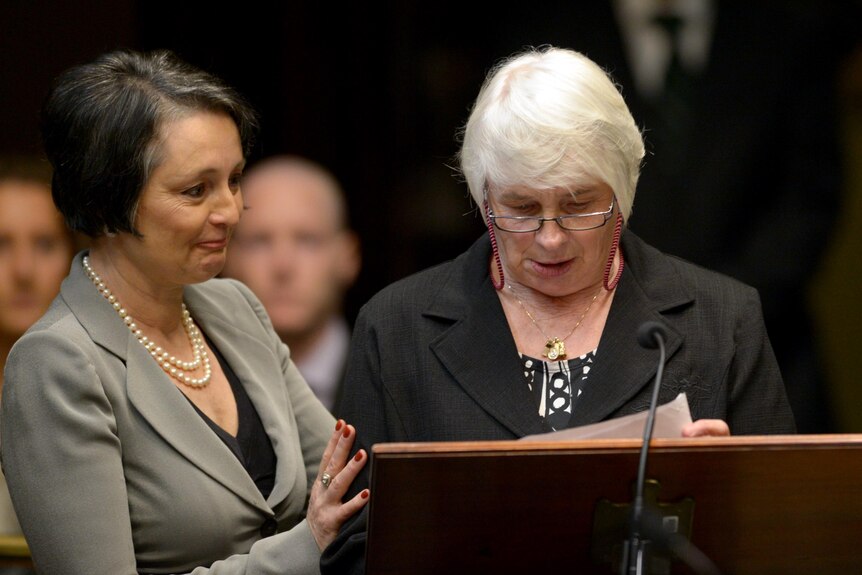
x,y
479,351
622,367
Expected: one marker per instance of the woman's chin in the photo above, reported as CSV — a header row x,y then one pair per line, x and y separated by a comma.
x,y
558,285
208,268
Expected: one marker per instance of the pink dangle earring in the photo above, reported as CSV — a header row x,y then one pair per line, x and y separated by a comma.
x,y
502,282
615,247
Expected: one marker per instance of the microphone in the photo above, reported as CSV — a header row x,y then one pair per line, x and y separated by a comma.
x,y
648,333
651,335
647,522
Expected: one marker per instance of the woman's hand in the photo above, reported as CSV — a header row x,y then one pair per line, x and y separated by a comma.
x,y
706,428
326,512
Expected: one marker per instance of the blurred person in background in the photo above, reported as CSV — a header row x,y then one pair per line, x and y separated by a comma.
x,y
294,249
35,252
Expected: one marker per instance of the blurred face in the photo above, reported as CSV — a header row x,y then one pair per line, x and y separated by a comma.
x,y
35,252
191,203
292,250
553,261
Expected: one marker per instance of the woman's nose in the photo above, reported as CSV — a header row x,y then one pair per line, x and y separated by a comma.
x,y
550,234
227,208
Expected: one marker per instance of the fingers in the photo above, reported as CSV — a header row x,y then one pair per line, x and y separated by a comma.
x,y
341,452
349,508
706,428
351,470
341,482
326,511
336,473
330,447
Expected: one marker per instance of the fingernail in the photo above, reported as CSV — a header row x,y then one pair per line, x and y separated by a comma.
x,y
346,431
338,424
364,494
358,456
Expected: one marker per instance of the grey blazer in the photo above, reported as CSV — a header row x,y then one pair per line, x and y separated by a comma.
x,y
112,471
433,359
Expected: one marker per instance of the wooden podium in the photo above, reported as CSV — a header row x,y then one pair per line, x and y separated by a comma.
x,y
762,505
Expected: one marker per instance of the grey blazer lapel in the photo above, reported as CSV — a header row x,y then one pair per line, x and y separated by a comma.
x,y
92,311
479,351
259,370
152,393
622,367
172,416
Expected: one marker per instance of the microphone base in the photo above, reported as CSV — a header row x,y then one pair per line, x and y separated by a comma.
x,y
612,529
641,557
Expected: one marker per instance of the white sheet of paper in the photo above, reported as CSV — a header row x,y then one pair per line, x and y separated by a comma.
x,y
669,421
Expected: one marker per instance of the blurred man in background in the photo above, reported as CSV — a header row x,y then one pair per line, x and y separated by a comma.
x,y
35,254
294,249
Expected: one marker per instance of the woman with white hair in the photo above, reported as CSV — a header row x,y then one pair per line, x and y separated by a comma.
x,y
534,327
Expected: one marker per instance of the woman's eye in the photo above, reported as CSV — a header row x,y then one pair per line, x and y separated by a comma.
x,y
235,181
195,192
577,208
522,209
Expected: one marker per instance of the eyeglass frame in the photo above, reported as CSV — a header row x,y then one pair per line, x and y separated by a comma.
x,y
559,219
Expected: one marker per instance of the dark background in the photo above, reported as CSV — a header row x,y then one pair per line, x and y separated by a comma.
x,y
377,92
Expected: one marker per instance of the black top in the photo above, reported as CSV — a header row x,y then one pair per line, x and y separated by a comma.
x,y
251,445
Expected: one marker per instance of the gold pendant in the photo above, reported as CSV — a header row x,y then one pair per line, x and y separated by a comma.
x,y
556,349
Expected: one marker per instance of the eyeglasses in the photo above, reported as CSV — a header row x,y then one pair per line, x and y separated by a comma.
x,y
573,222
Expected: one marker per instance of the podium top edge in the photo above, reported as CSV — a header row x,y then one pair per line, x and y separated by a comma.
x,y
748,442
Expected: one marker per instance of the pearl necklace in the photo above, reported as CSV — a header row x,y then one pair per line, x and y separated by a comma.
x,y
556,347
173,367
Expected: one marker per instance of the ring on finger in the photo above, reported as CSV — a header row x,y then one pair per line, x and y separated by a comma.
x,y
326,479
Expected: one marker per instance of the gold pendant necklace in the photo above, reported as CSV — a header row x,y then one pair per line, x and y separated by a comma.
x,y
556,347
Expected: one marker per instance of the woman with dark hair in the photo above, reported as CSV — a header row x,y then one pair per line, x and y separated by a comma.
x,y
152,421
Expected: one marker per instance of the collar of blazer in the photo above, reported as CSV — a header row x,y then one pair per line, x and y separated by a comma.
x,y
158,400
480,353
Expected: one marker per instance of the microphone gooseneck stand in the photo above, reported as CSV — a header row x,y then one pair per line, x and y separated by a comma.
x,y
650,335
646,524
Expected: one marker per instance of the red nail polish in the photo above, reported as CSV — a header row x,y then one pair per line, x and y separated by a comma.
x,y
346,431
364,494
338,424
358,456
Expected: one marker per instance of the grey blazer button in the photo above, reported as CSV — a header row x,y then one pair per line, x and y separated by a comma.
x,y
268,528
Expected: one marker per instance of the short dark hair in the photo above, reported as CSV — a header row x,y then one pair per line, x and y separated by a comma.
x,y
100,128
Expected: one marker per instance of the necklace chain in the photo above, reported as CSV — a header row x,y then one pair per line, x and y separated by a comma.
x,y
556,347
173,366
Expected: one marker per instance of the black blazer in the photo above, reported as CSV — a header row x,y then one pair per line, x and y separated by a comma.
x,y
433,359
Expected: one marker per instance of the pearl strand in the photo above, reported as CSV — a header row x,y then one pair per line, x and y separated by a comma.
x,y
173,366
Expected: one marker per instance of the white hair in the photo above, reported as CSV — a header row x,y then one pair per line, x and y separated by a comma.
x,y
550,118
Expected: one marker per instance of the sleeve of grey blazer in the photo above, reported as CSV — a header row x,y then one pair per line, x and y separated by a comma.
x,y
65,464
